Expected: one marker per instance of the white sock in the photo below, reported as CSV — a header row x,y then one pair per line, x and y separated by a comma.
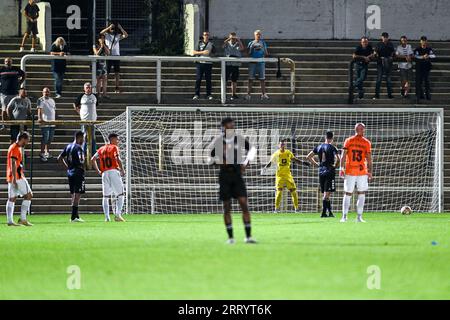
x,y
114,204
24,209
119,204
105,204
345,205
9,211
360,204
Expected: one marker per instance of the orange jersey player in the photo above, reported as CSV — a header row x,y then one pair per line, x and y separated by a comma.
x,y
17,183
111,171
356,168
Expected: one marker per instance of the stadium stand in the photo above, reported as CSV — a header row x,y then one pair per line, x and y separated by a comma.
x,y
322,79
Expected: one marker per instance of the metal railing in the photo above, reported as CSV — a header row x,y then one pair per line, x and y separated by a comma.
x,y
159,59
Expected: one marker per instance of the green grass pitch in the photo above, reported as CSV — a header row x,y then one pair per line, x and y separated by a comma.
x,y
299,256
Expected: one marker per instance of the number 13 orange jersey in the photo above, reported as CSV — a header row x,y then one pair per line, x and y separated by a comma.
x,y
108,155
357,148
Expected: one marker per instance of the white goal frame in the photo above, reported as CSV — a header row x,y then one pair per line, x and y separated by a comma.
x,y
439,126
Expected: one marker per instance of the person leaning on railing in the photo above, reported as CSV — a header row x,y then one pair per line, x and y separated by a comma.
x,y
233,47
100,49
19,108
205,48
59,48
405,54
257,48
362,55
86,106
423,55
385,53
46,108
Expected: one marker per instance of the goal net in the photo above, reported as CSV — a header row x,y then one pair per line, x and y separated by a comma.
x,y
165,151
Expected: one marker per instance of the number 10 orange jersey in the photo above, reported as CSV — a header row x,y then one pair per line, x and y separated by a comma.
x,y
108,155
357,148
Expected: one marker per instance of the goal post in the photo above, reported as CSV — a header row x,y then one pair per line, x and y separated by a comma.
x,y
165,152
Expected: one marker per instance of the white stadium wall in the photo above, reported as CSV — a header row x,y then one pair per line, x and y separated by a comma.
x,y
330,19
8,18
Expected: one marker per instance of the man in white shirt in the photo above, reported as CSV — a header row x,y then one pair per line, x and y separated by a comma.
x,y
46,108
114,33
86,106
405,53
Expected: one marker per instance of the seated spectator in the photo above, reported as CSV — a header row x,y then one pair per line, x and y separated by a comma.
x,y
46,108
11,78
362,54
257,48
384,52
404,52
19,108
102,73
59,48
31,12
233,48
423,55
86,106
114,33
204,48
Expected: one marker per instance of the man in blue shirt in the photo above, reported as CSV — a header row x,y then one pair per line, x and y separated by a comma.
x,y
72,157
257,49
328,156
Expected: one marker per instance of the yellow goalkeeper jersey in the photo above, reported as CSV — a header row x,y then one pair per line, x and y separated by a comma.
x,y
283,160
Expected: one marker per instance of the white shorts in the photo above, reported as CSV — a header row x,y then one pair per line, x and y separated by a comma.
x,y
112,183
361,182
22,189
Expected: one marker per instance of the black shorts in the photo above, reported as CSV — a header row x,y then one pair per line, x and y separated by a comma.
x,y
327,182
14,132
32,28
232,185
77,184
232,73
113,63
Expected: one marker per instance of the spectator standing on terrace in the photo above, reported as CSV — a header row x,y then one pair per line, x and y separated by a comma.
x,y
11,78
423,55
204,48
385,53
101,70
86,106
362,54
114,33
46,108
31,12
257,48
405,53
233,48
19,108
59,48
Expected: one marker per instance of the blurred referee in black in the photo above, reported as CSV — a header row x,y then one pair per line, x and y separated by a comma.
x,y
328,156
233,153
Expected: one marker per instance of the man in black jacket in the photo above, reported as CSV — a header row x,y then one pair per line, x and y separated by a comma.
x,y
205,48
362,55
385,52
423,55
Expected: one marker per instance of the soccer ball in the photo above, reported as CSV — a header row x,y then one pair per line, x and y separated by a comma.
x,y
406,210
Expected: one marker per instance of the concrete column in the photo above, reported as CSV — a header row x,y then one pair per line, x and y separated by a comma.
x,y
8,17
